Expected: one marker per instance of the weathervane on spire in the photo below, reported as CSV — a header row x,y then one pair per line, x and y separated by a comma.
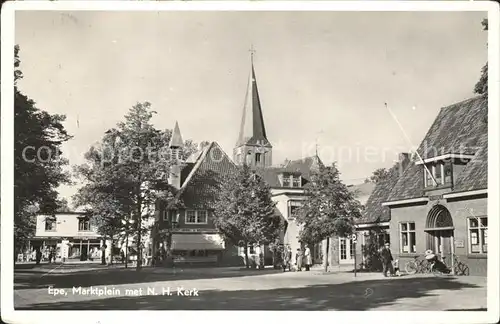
x,y
252,52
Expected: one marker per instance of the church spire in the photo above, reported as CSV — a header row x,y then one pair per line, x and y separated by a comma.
x,y
252,147
176,139
252,129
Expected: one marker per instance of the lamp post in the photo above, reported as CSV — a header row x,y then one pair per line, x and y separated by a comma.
x,y
127,224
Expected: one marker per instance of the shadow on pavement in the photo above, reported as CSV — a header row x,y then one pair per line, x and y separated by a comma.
x,y
120,276
355,295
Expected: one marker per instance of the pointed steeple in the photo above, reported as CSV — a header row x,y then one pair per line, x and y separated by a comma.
x,y
176,139
176,146
252,148
252,129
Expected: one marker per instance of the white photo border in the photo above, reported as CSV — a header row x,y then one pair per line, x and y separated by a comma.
x,y
7,135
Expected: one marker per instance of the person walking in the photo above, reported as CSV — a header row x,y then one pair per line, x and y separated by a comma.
x,y
287,258
386,256
308,258
299,258
38,254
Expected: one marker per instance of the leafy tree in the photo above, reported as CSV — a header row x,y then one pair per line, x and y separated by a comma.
x,y
244,211
125,176
481,86
38,164
329,209
378,175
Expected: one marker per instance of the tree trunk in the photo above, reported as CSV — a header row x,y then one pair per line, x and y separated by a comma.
x,y
103,251
139,245
111,252
246,255
327,252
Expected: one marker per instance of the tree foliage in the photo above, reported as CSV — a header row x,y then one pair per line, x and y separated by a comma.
x,y
38,162
378,175
329,209
244,211
126,175
481,86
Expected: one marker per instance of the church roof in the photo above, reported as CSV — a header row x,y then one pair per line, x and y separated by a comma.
x,y
252,129
176,139
459,128
302,166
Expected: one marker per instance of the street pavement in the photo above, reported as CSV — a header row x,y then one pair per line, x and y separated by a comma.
x,y
96,287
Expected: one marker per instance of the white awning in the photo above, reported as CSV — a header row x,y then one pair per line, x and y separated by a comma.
x,y
197,241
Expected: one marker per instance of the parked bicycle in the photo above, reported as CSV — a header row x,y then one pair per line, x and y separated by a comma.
x,y
440,267
417,265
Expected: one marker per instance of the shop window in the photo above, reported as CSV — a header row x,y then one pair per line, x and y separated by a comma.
x,y
408,237
478,235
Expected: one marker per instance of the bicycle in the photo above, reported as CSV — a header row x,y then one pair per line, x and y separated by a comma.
x,y
417,265
439,268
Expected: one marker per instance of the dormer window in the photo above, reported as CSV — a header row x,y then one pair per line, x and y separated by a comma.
x,y
441,171
297,181
285,180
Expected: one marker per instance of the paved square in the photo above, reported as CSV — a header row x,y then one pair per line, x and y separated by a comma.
x,y
237,289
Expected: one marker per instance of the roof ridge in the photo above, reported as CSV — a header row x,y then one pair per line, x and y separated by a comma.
x,y
459,103
201,158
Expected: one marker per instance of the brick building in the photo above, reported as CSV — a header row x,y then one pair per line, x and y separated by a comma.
x,y
439,202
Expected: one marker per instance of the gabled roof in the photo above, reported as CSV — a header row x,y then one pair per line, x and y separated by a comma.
x,y
459,128
203,178
475,174
252,129
374,212
302,166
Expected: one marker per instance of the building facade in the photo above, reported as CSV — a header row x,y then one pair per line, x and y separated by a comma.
x,y
194,235
440,201
70,234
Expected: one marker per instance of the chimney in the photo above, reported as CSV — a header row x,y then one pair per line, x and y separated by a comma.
x,y
404,161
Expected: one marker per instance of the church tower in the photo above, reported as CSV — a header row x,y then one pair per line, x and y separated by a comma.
x,y
176,146
252,147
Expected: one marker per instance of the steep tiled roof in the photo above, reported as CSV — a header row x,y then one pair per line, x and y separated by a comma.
x,y
456,129
459,128
475,174
302,166
374,212
410,185
200,188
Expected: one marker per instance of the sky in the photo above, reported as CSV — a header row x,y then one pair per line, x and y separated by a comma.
x,y
323,77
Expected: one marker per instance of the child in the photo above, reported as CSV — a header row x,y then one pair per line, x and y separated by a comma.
x,y
395,265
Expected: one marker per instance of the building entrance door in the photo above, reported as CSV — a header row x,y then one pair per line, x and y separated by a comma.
x,y
346,251
440,230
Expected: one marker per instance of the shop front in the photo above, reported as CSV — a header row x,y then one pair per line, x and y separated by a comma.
x,y
452,229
